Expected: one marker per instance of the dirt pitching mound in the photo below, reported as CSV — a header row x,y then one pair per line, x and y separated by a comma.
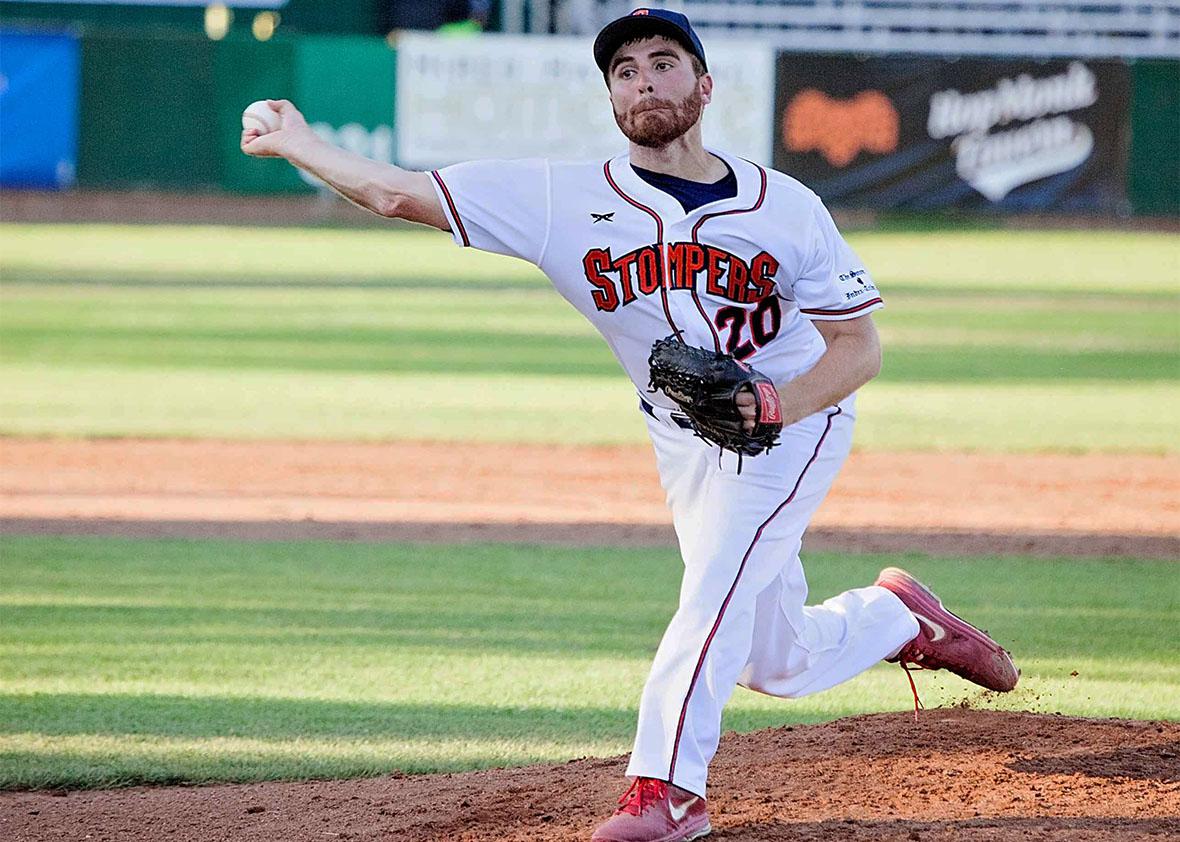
x,y
955,775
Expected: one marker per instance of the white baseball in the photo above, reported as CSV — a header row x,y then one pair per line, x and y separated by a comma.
x,y
259,116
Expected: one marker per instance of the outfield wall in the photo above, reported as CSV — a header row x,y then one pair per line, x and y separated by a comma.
x,y
165,112
161,111
188,16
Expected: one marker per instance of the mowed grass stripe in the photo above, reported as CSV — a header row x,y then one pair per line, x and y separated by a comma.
x,y
987,316
1062,261
127,661
101,401
1067,262
927,339
216,254
442,352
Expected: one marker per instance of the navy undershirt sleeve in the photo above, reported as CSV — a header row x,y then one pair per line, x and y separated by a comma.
x,y
691,194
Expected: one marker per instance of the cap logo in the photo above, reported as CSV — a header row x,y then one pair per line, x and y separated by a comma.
x,y
641,12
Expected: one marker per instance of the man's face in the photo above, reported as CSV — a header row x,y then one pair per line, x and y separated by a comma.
x,y
655,91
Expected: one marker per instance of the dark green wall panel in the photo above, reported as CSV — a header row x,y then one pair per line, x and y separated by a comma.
x,y
341,16
1154,172
164,111
101,14
147,113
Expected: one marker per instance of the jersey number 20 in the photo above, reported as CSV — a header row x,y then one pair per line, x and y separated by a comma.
x,y
764,322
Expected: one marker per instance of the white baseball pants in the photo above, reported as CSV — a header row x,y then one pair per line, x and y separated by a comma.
x,y
742,618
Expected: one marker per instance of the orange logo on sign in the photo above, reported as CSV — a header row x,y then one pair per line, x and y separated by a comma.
x,y
840,129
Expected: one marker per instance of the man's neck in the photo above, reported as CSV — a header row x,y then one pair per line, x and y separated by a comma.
x,y
684,157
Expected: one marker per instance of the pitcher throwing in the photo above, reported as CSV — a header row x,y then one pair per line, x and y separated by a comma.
x,y
742,268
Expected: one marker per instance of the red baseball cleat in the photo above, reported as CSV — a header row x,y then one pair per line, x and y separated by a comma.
x,y
654,811
946,641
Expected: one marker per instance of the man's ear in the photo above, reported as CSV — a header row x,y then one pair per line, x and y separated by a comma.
x,y
706,82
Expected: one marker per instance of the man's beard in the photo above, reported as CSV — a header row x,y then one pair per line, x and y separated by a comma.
x,y
654,129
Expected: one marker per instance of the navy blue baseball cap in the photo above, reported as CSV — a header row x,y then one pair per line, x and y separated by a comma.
x,y
643,23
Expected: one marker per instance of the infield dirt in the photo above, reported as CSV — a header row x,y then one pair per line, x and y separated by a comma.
x,y
950,504
956,774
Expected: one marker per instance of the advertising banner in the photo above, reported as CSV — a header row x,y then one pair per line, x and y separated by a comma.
x,y
346,88
925,133
39,79
504,96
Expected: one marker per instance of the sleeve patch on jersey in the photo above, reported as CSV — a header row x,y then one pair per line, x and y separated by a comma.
x,y
854,284
451,205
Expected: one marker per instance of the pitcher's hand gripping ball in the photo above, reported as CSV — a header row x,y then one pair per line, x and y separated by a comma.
x,y
260,117
706,384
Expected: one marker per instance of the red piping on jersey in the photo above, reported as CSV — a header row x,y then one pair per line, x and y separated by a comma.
x,y
847,312
725,604
696,228
451,204
659,239
700,308
761,198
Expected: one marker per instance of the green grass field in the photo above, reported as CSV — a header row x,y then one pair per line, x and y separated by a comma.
x,y
248,333
126,661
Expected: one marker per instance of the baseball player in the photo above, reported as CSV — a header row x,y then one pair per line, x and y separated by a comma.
x,y
676,239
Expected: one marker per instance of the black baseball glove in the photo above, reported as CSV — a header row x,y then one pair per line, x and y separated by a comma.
x,y
706,384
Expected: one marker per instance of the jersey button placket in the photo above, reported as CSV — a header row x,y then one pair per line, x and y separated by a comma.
x,y
675,324
689,309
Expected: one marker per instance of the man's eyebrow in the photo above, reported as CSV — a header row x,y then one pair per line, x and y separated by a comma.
x,y
617,60
654,54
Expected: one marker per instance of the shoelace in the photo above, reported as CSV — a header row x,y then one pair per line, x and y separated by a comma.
x,y
909,666
642,790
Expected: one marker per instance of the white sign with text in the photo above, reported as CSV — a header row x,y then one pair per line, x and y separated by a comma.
x,y
513,96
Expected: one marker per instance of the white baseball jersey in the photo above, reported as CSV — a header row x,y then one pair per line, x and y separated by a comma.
x,y
743,275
